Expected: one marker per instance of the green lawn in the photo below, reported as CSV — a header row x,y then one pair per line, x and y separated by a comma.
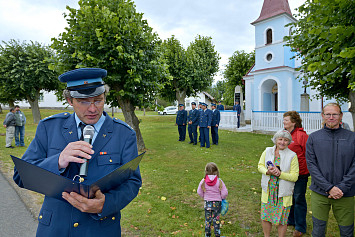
x,y
171,171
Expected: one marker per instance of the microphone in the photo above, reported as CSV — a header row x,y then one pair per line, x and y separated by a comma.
x,y
88,134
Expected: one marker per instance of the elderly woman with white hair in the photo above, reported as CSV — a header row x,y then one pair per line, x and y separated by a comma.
x,y
279,168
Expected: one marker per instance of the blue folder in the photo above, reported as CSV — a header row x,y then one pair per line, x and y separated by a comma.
x,y
50,184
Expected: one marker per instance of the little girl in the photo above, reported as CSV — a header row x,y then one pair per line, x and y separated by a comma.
x,y
212,190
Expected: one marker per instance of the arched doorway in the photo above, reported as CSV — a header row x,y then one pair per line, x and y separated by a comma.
x,y
269,95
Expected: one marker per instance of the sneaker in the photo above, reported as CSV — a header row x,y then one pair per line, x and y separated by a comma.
x,y
10,147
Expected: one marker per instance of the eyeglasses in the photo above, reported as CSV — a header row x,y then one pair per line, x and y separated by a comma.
x,y
331,115
88,103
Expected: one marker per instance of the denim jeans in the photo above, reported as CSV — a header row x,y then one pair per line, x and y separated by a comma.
x,y
298,211
20,135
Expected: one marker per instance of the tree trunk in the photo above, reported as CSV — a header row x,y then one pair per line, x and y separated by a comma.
x,y
11,104
0,109
180,96
352,107
132,120
35,109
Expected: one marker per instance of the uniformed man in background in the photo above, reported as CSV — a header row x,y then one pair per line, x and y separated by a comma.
x,y
181,121
220,106
205,125
56,147
216,117
194,116
238,110
200,110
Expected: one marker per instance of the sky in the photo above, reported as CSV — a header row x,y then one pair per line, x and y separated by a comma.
x,y
226,21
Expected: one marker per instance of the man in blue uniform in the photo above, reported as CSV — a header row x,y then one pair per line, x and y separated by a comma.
x,y
56,147
238,109
220,106
216,117
181,121
199,110
194,116
204,125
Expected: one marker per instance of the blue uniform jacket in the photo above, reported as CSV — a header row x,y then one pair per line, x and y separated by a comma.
x,y
118,141
194,116
216,117
181,117
205,118
220,107
237,108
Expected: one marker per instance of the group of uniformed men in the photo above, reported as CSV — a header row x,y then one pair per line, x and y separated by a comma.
x,y
202,118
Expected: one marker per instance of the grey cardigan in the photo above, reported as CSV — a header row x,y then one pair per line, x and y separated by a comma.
x,y
10,120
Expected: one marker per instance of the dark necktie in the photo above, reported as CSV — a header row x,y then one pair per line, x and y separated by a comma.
x,y
82,126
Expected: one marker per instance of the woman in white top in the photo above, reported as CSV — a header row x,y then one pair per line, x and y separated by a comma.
x,y
279,168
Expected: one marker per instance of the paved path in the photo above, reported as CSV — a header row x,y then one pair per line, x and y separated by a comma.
x,y
15,219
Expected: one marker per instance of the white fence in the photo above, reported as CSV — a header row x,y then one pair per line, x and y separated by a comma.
x,y
273,120
228,120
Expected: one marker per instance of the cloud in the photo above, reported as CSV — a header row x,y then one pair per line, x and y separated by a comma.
x,y
226,21
31,20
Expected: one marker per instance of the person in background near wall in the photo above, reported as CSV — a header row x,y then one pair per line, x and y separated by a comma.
x,y
181,121
9,123
20,127
297,218
204,125
216,117
279,168
194,117
238,109
220,107
330,156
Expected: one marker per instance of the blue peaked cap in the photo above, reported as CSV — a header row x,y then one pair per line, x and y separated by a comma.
x,y
84,82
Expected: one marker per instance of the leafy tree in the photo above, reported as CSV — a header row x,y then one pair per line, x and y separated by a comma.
x,y
324,38
110,34
238,65
218,90
192,70
24,73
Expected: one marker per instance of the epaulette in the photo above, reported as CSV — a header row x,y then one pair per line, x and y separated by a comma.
x,y
123,123
61,115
